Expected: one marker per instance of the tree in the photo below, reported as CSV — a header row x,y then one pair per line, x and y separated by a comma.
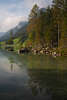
x,y
34,12
48,27
36,25
10,41
58,6
63,41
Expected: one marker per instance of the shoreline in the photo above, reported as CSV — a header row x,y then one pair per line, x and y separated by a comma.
x,y
55,52
52,52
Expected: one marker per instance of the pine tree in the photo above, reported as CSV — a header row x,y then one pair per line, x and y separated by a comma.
x,y
34,12
58,6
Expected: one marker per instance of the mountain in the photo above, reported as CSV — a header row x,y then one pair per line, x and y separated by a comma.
x,y
1,34
20,29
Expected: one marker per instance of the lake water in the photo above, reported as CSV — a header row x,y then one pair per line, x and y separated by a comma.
x,y
30,77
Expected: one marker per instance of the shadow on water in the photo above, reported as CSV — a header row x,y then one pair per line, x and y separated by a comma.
x,y
33,77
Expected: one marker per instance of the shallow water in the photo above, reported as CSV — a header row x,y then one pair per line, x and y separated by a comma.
x,y
30,77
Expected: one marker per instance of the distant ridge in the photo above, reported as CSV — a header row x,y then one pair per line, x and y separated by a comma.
x,y
15,31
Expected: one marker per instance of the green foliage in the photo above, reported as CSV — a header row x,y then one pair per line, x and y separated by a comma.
x,y
10,41
2,45
17,44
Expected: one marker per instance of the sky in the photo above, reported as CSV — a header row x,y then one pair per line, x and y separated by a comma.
x,y
14,11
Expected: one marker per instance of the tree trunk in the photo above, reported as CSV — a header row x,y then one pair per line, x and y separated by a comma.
x,y
58,35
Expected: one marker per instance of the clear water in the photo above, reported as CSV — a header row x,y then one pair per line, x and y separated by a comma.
x,y
30,77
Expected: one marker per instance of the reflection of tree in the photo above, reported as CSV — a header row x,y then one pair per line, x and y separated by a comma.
x,y
37,83
41,62
34,88
46,78
11,67
47,83
11,61
43,80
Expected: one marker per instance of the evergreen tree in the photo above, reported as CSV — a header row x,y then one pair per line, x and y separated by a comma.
x,y
58,15
34,12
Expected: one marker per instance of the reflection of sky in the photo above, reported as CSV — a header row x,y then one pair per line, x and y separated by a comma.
x,y
10,72
6,65
40,84
13,11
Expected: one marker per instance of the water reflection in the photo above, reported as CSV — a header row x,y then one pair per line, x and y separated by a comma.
x,y
52,84
11,61
32,77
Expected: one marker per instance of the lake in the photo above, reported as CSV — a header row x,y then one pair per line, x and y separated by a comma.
x,y
32,77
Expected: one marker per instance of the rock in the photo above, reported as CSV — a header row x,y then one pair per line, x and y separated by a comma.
x,y
50,52
47,52
35,51
54,54
23,50
42,52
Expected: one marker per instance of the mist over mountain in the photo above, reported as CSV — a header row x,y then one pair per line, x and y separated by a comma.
x,y
16,31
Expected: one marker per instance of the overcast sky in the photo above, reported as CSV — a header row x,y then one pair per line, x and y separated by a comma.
x,y
14,11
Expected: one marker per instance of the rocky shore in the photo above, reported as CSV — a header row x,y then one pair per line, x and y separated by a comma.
x,y
46,51
39,51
